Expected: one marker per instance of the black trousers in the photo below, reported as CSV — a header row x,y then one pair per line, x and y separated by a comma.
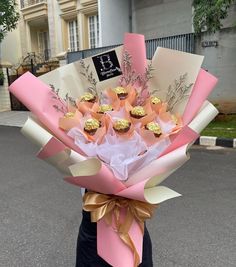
x,y
87,256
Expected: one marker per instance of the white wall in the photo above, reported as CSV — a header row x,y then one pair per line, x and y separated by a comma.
x,y
161,18
10,47
114,20
221,62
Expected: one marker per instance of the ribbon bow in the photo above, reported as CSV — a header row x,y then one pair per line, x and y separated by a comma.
x,y
110,207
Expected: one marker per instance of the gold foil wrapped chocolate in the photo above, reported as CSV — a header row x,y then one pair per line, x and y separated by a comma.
x,y
174,118
155,100
88,97
104,108
138,112
69,115
121,125
154,127
91,126
121,92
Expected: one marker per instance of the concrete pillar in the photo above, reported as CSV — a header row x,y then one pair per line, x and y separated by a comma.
x,y
28,37
62,57
5,102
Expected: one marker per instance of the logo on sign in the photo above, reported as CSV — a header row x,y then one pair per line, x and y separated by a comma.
x,y
107,65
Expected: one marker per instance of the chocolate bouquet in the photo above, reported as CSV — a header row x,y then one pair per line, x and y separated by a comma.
x,y
118,124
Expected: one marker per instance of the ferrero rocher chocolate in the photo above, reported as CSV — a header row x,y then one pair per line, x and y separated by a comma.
x,y
104,108
121,92
88,97
138,112
91,126
154,127
121,125
69,115
155,100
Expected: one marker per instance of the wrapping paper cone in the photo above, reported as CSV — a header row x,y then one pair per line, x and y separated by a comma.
x,y
202,88
108,250
207,113
137,51
38,98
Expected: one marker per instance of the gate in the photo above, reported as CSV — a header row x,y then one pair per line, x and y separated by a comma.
x,y
35,63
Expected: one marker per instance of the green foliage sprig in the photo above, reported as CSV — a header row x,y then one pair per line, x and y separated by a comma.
x,y
209,14
8,17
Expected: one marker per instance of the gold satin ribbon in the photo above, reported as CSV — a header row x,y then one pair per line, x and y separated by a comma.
x,y
109,208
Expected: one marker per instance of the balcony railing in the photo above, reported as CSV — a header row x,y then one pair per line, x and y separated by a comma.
x,y
27,3
183,42
34,59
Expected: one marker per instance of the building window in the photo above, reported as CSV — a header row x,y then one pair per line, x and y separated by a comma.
x,y
43,44
93,31
73,35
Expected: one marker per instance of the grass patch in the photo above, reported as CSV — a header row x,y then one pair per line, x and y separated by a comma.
x,y
222,126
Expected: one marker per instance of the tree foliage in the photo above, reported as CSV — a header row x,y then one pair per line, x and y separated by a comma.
x,y
8,17
208,14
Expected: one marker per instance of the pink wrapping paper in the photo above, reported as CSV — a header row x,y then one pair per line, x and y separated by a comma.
x,y
37,97
103,182
185,136
202,88
106,250
52,148
137,51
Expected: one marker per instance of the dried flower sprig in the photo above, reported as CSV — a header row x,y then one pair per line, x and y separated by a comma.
x,y
60,109
130,77
178,91
89,76
149,71
54,90
55,95
144,92
70,99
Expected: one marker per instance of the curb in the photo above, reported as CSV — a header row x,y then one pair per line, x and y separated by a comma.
x,y
216,141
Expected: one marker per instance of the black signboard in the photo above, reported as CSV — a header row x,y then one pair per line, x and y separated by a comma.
x,y
107,65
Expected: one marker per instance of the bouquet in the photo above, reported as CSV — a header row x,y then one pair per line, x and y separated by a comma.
x,y
118,124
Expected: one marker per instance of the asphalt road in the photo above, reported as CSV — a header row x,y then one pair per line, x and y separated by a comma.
x,y
40,213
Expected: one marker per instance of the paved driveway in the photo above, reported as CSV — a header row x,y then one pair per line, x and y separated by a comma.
x,y
40,213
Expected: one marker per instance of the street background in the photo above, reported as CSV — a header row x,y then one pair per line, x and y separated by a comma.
x,y
40,213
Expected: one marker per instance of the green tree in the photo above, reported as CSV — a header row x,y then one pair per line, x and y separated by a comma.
x,y
208,14
8,17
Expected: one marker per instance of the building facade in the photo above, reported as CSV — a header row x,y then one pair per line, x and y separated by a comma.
x,y
46,30
53,27
50,27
